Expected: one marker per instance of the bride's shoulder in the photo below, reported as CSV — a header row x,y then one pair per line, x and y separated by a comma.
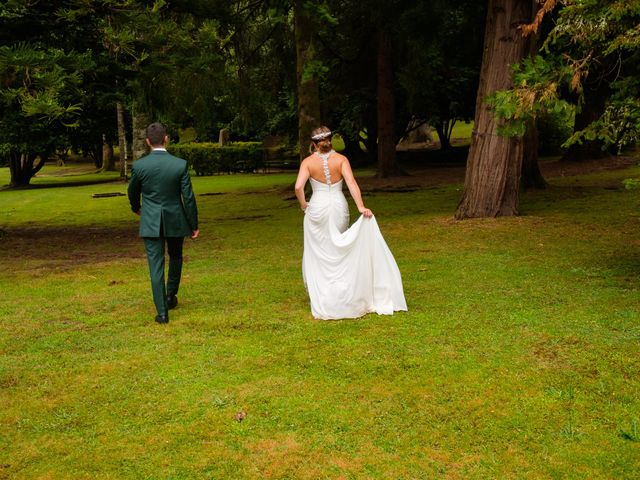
x,y
308,159
340,157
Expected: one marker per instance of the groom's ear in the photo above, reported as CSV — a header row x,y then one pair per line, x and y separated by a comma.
x,y
148,142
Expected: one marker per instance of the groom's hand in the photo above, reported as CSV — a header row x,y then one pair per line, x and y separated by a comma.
x,y
195,234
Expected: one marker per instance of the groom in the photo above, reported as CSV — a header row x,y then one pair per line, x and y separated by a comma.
x,y
168,214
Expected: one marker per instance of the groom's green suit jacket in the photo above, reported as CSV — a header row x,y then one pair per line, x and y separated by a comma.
x,y
168,206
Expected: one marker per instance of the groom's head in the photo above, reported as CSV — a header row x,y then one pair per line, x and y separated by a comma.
x,y
156,135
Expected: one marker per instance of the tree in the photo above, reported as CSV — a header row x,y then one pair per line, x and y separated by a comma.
x,y
531,176
387,164
590,60
259,52
307,67
599,42
42,77
361,50
441,62
494,164
39,102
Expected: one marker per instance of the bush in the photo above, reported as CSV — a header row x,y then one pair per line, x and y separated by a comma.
x,y
553,130
210,158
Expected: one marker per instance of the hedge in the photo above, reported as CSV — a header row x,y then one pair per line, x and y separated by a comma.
x,y
210,158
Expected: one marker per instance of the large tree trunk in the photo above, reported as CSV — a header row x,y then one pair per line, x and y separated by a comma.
x,y
494,164
122,140
308,87
386,108
23,167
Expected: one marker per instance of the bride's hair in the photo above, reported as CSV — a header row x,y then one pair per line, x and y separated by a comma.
x,y
323,132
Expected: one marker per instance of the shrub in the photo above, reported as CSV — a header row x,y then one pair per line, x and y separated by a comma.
x,y
553,130
210,158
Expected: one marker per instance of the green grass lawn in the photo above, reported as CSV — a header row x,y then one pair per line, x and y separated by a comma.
x,y
461,133
518,357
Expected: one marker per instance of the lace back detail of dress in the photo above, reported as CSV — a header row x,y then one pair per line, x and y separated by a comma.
x,y
325,165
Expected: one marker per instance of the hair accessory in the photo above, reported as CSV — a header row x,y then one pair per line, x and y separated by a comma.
x,y
321,136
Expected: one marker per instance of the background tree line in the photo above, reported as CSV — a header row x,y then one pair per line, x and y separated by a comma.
x,y
88,74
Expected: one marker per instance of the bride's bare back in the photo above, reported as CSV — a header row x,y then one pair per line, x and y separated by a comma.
x,y
339,168
316,169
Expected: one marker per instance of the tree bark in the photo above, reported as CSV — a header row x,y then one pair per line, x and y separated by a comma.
x,y
386,107
494,163
122,140
308,86
140,123
444,133
22,167
108,162
97,153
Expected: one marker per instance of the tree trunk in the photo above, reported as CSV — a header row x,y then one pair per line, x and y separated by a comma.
x,y
308,87
495,162
244,83
444,133
386,108
140,123
98,155
108,162
531,177
122,140
22,167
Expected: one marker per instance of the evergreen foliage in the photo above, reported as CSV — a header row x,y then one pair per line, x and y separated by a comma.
x,y
592,44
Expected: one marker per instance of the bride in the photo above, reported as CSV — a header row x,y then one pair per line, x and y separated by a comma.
x,y
348,271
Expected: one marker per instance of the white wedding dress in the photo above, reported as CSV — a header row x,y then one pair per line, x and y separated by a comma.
x,y
348,272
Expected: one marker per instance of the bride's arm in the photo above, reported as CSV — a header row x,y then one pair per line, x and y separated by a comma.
x,y
354,190
301,181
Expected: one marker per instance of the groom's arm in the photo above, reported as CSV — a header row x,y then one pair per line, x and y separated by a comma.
x,y
134,191
189,201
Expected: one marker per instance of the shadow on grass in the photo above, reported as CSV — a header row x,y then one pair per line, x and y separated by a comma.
x,y
455,156
68,183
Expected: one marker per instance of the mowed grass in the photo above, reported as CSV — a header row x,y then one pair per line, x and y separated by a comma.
x,y
461,133
518,358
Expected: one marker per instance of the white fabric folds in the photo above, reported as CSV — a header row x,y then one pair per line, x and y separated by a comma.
x,y
348,272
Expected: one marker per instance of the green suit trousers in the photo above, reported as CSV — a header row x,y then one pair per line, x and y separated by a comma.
x,y
155,248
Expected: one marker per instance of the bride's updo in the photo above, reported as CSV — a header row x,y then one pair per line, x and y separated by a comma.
x,y
318,134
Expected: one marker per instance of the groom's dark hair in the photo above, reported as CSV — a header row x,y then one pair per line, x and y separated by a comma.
x,y
156,133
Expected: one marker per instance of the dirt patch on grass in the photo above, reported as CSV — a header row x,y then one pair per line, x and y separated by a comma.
x,y
559,168
69,246
422,173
